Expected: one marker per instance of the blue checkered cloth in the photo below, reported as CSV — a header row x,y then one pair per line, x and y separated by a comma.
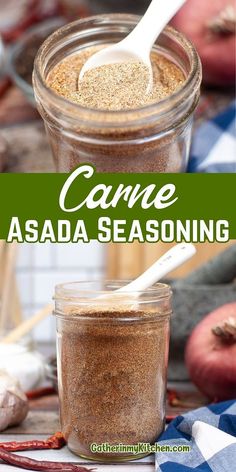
x,y
214,145
210,432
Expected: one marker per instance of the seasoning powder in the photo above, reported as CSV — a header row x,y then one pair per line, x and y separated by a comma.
x,y
116,143
112,378
117,87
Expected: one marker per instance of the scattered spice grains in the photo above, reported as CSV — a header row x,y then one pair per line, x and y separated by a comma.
x,y
112,378
115,86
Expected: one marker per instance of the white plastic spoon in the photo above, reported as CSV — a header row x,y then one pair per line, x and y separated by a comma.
x,y
172,259
136,47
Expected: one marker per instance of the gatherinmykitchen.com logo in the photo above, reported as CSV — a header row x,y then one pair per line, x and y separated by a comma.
x,y
136,449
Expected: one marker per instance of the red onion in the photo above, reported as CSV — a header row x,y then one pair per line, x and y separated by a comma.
x,y
211,27
210,354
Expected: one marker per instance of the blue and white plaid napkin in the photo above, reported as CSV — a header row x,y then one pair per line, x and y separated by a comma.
x,y
214,145
210,432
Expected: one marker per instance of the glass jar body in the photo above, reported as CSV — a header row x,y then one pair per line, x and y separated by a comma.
x,y
155,138
112,364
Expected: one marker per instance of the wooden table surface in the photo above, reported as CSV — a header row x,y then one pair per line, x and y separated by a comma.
x,y
43,421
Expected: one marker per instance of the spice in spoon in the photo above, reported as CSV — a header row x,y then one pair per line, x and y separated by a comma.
x,y
114,86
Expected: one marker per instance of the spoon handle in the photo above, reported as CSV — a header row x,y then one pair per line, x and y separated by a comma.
x,y
158,14
172,259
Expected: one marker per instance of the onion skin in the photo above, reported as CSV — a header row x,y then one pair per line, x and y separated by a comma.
x,y
217,51
211,362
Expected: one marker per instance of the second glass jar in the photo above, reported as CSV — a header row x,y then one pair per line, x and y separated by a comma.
x,y
112,365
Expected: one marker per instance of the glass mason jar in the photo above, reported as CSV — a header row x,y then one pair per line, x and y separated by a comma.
x,y
112,355
155,138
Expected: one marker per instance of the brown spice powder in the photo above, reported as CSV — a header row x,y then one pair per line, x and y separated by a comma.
x,y
137,143
112,380
114,86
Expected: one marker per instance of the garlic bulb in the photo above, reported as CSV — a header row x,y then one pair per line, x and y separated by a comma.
x,y
13,402
28,367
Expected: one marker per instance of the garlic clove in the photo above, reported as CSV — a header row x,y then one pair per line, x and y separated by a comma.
x,y
13,402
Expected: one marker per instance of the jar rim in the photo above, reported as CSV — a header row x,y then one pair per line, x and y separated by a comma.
x,y
89,299
69,290
136,116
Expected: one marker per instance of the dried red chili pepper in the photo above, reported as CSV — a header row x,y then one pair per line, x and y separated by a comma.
x,y
40,392
57,441
5,84
169,418
42,466
175,401
173,398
